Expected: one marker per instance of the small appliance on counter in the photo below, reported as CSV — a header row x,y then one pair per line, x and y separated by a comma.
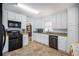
x,y
39,30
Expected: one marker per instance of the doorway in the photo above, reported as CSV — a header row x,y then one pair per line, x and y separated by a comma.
x,y
29,31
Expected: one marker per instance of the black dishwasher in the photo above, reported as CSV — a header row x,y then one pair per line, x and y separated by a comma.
x,y
53,41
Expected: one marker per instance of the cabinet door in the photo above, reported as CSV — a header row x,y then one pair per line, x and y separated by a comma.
x,y
59,22
23,21
73,16
62,43
54,22
11,16
39,23
36,37
43,39
25,40
42,23
23,18
36,25
18,17
73,36
23,24
73,33
64,20
46,39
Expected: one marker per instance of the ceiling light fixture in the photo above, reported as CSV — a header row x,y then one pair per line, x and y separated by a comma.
x,y
28,8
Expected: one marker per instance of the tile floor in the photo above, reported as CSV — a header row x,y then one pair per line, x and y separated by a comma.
x,y
35,49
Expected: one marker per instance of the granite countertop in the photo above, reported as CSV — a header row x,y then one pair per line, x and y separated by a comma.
x,y
7,34
54,33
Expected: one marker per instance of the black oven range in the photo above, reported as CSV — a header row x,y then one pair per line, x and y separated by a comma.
x,y
15,40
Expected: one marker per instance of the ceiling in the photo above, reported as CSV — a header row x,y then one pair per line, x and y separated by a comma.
x,y
43,8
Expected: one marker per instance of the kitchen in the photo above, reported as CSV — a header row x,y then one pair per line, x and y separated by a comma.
x,y
52,30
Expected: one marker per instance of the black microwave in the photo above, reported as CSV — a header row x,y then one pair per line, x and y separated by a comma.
x,y
14,24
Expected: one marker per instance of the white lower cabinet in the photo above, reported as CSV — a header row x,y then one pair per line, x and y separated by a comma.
x,y
41,38
25,40
5,49
62,43
44,39
35,36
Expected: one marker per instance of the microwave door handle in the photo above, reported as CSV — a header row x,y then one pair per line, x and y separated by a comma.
x,y
4,35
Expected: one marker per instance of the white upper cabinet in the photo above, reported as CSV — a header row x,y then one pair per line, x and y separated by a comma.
x,y
23,20
42,23
59,20
54,22
73,16
64,19
38,23
11,16
18,17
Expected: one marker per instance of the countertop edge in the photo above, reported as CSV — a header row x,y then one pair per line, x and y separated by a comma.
x,y
56,34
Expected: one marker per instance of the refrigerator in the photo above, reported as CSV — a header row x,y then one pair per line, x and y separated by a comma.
x,y
2,32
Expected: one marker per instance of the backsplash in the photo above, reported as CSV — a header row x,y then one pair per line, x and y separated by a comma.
x,y
60,30
54,30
